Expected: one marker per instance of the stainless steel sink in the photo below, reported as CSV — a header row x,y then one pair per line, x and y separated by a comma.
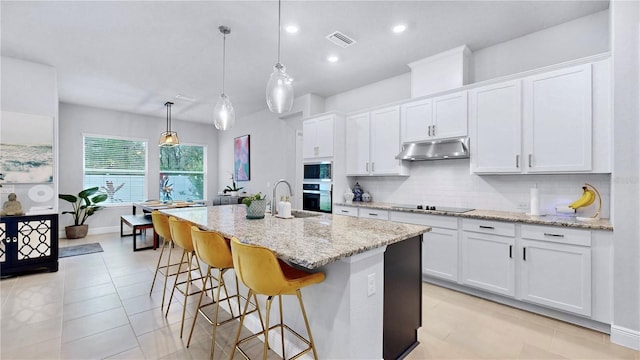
x,y
304,214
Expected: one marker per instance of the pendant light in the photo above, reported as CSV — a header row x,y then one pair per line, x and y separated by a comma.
x,y
223,114
168,138
279,87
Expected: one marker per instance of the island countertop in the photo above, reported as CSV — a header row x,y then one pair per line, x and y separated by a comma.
x,y
310,242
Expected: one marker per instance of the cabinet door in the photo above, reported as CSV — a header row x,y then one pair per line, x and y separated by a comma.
x,y
4,241
487,262
558,120
415,120
357,144
325,136
310,138
440,253
496,131
556,275
450,116
385,141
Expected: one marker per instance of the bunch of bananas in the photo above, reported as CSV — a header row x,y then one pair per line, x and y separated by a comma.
x,y
587,198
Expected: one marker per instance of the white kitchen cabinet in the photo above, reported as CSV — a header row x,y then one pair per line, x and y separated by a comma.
x,y
318,135
556,272
439,246
435,118
487,259
558,120
496,128
345,210
373,214
373,141
552,122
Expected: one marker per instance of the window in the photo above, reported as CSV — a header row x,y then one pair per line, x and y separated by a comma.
x,y
117,166
182,173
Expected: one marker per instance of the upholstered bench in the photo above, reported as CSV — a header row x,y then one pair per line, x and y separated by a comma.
x,y
138,223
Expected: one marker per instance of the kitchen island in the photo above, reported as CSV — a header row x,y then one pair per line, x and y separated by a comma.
x,y
368,307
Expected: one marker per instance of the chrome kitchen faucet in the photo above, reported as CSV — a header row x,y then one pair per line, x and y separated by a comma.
x,y
273,197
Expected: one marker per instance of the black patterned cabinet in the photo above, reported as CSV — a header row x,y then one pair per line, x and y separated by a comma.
x,y
28,243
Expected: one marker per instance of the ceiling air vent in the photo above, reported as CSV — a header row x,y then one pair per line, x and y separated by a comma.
x,y
340,39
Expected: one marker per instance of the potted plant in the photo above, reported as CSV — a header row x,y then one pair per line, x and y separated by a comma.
x,y
233,188
256,206
84,205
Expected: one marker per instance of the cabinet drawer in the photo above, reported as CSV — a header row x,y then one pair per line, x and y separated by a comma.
x,y
374,214
489,227
345,210
557,235
446,222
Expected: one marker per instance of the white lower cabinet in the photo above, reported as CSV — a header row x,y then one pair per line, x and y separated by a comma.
x,y
345,210
556,274
440,249
487,262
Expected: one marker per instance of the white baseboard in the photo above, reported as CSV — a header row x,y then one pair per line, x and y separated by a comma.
x,y
95,231
626,337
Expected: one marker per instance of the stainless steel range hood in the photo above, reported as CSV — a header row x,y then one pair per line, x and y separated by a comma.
x,y
457,148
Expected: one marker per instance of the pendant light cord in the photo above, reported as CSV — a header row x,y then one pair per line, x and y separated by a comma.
x,y
224,57
279,30
169,118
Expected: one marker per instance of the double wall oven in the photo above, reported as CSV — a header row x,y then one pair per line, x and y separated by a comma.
x,y
317,187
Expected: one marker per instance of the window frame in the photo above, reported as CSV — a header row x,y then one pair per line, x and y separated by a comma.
x,y
145,189
205,155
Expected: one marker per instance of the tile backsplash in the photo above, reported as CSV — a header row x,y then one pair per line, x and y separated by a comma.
x,y
450,183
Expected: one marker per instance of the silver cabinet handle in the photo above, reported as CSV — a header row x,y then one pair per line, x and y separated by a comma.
x,y
344,211
434,130
510,251
486,227
367,167
429,130
372,214
373,167
554,235
530,160
517,161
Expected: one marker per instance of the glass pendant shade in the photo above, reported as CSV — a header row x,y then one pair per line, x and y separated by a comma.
x,y
168,138
279,90
223,114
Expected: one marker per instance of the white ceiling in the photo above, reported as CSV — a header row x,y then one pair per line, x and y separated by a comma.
x,y
135,56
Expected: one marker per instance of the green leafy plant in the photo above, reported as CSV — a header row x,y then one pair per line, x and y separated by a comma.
x,y
84,204
249,199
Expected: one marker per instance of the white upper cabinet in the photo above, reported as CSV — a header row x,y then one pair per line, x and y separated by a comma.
x,y
318,137
552,122
435,118
558,120
495,128
373,141
357,149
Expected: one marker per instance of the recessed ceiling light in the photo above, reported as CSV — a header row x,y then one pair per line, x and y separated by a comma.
x,y
399,28
332,59
292,29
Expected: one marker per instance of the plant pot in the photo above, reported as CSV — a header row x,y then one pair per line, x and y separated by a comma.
x,y
257,209
76,231
233,193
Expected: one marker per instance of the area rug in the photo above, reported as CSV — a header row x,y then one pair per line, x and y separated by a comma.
x,y
76,250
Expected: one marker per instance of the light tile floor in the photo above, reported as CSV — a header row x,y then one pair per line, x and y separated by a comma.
x,y
98,306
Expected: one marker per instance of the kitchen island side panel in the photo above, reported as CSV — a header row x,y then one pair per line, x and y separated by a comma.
x,y
402,297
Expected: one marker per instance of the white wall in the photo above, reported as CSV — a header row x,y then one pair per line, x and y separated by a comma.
x,y
625,21
572,40
76,120
381,92
30,88
272,151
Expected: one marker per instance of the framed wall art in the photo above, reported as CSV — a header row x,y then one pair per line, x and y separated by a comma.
x,y
26,148
241,158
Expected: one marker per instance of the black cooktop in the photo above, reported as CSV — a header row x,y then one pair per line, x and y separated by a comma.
x,y
435,208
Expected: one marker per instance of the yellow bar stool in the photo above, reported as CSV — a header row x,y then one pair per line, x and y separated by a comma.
x,y
214,250
161,227
181,235
263,273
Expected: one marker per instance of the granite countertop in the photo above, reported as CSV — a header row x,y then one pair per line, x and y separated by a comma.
x,y
553,220
310,242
